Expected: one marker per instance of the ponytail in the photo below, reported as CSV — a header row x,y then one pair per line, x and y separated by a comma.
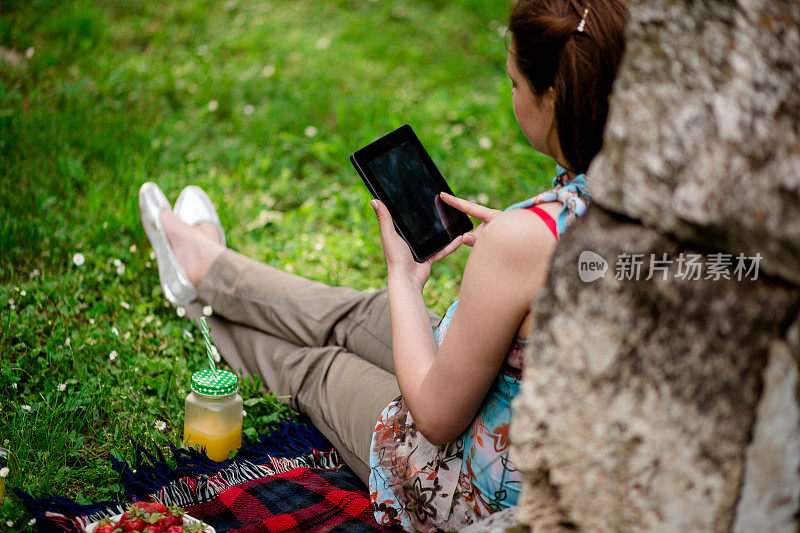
x,y
561,44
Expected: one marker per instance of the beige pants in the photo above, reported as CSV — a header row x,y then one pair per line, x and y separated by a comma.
x,y
328,348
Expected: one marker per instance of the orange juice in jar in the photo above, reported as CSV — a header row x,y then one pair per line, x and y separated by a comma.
x,y
213,413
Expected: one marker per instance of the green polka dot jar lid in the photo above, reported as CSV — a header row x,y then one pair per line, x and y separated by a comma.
x,y
204,382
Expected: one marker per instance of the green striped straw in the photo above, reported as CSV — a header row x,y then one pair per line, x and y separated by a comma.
x,y
210,348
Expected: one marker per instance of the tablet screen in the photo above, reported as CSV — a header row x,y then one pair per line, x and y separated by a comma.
x,y
399,172
402,175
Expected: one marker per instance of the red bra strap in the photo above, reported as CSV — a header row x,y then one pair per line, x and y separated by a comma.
x,y
545,216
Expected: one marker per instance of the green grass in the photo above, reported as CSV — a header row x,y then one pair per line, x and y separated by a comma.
x,y
118,93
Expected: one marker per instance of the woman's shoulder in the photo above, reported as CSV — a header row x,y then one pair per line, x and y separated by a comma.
x,y
520,229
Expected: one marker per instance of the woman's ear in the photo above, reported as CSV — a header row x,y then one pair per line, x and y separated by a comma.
x,y
550,99
548,103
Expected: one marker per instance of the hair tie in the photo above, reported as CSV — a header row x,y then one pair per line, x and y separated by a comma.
x,y
582,23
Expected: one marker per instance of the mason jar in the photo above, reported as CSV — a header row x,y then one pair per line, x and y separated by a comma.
x,y
213,413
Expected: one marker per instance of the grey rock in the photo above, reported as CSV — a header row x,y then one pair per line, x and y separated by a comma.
x,y
703,136
770,495
500,522
639,397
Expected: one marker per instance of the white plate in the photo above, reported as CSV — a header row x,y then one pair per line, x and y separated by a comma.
x,y
91,528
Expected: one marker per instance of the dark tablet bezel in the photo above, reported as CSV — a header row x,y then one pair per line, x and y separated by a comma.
x,y
360,159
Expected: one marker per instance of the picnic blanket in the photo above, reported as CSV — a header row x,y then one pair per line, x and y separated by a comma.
x,y
288,480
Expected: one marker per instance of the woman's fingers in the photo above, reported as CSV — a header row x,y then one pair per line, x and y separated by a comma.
x,y
472,209
447,250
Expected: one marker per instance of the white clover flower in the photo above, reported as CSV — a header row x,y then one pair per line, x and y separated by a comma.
x,y
127,335
14,386
112,355
161,425
30,52
10,523
35,272
180,311
78,259
26,407
68,342
11,301
4,472
132,248
244,413
121,270
485,143
12,306
125,304
117,262
483,198
248,109
32,522
323,43
268,71
207,310
91,321
147,264
213,105
22,292
148,319
61,387
187,334
152,255
311,131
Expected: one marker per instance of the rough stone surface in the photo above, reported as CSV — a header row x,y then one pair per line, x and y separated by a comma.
x,y
703,136
500,522
673,404
639,397
770,494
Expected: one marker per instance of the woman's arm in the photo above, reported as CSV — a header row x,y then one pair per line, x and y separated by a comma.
x,y
508,264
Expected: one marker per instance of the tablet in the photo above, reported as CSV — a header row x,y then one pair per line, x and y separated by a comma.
x,y
400,173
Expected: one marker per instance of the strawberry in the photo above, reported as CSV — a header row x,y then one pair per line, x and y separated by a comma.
x,y
170,521
153,518
194,527
106,525
175,529
133,524
153,528
150,507
174,517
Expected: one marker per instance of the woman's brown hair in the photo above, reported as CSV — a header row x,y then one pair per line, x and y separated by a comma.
x,y
579,65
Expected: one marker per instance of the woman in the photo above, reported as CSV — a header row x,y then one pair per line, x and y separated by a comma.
x,y
421,416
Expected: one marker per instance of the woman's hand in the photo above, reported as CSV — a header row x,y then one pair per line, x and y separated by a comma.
x,y
482,213
399,259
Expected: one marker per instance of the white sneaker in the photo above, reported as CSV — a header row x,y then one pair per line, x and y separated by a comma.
x,y
177,287
194,206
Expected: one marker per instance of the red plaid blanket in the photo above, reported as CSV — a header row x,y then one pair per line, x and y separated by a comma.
x,y
280,483
303,499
